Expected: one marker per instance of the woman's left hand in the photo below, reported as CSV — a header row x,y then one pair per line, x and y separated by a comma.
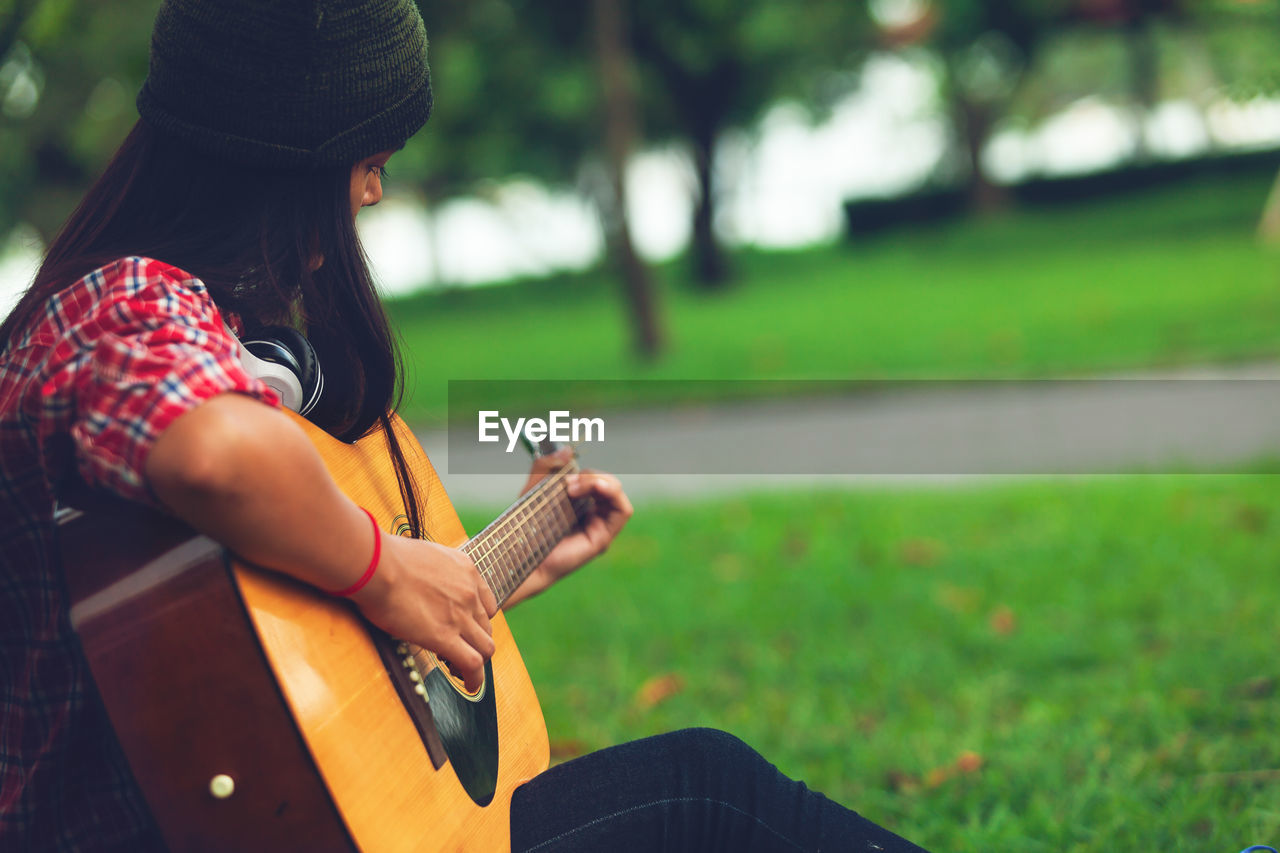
x,y
610,510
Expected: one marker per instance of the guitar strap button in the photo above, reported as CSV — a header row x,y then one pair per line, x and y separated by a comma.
x,y
222,786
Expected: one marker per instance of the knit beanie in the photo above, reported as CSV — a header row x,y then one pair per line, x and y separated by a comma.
x,y
288,83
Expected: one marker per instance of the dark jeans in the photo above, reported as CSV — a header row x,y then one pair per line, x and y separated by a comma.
x,y
694,790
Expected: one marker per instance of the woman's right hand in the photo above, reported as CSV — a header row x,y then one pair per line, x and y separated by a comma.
x,y
434,597
248,477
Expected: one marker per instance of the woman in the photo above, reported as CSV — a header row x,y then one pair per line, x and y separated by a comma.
x,y
264,128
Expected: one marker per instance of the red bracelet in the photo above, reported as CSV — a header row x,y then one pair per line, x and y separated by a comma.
x,y
373,564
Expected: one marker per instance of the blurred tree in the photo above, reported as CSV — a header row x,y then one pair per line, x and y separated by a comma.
x,y
1137,21
13,14
987,48
620,140
512,100
715,64
506,103
708,65
55,138
1242,36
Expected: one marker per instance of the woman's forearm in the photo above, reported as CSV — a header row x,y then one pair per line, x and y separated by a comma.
x,y
247,476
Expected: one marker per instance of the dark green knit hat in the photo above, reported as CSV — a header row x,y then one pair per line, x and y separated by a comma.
x,y
288,83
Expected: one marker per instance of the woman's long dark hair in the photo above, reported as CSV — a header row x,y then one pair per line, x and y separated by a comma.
x,y
273,246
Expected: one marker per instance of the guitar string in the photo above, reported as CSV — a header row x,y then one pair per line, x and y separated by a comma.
x,y
539,520
540,495
483,538
545,494
513,525
535,504
539,490
488,541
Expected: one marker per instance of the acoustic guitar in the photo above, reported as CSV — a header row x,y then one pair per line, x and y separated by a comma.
x,y
259,714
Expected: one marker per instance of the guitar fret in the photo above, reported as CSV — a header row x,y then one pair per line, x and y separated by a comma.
x,y
520,546
567,518
555,522
538,536
500,555
515,556
482,556
515,552
499,565
513,572
517,542
558,509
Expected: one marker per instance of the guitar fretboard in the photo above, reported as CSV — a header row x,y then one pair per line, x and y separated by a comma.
x,y
516,542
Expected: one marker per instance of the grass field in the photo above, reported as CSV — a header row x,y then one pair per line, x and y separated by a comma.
x,y
1171,276
1070,665
1059,665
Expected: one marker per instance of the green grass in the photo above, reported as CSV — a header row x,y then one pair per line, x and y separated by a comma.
x,y
1107,647
1172,276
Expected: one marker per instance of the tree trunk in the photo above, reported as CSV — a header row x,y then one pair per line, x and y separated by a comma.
x,y
620,133
1144,79
1269,224
434,244
702,98
975,121
710,265
13,25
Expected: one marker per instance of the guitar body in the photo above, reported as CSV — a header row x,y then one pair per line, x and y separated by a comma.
x,y
300,712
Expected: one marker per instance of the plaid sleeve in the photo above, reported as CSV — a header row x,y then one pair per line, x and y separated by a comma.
x,y
151,347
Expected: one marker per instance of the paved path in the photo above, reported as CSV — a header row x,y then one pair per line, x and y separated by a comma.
x,y
906,434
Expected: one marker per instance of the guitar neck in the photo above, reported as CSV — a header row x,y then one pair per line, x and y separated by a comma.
x,y
515,543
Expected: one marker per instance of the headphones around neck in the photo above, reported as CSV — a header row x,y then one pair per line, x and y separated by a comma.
x,y
285,362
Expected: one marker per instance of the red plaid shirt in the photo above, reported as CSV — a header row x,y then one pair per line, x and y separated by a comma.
x,y
85,389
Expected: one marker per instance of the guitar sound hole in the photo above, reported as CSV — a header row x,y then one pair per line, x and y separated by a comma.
x,y
456,681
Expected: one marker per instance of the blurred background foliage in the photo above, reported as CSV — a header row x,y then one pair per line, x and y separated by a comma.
x,y
571,96
68,78
523,89
1079,665
519,84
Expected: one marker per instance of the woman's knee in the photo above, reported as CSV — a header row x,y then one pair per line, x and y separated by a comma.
x,y
709,751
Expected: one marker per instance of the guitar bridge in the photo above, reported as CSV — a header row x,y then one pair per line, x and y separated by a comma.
x,y
410,684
